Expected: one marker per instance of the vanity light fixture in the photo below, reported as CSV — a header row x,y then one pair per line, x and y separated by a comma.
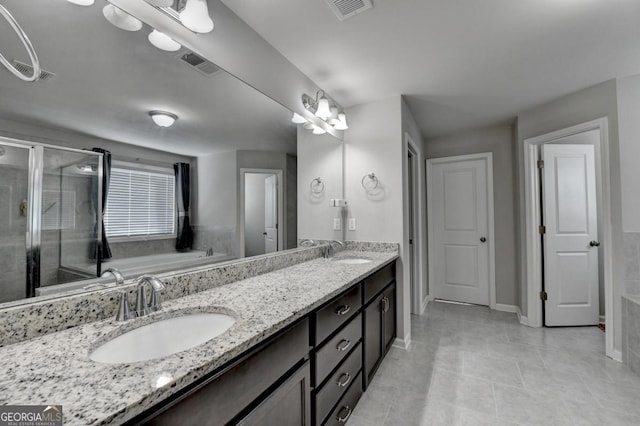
x,y
195,16
163,41
163,118
342,122
324,107
298,119
82,2
121,19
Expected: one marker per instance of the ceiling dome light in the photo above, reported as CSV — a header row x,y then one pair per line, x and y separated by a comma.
x,y
323,111
342,122
163,41
160,3
163,118
317,130
298,119
82,2
195,16
121,19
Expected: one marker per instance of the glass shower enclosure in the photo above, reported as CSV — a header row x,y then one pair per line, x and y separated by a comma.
x,y
50,216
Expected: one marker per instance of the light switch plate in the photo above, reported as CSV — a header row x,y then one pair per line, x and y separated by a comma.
x,y
336,224
352,224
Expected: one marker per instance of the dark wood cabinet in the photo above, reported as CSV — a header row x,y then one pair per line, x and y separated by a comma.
x,y
379,319
311,373
287,405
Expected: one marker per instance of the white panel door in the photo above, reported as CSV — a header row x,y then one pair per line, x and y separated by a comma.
x,y
570,242
270,214
459,226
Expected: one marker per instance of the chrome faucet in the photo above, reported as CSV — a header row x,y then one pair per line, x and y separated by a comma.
x,y
307,243
142,307
116,274
109,271
329,250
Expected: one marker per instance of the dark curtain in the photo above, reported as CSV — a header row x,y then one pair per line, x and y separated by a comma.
x,y
184,240
100,246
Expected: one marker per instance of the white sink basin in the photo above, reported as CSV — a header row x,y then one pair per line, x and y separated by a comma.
x,y
162,338
353,261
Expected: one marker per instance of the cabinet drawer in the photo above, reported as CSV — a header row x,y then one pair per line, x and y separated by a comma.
x,y
332,352
329,318
376,282
347,404
338,383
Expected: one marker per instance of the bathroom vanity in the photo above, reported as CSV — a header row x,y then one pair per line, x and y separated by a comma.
x,y
306,341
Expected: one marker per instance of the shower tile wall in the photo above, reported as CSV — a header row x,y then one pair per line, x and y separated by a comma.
x,y
631,332
631,263
13,189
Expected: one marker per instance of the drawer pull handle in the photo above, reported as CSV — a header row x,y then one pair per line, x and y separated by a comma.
x,y
343,309
387,304
343,345
345,382
344,419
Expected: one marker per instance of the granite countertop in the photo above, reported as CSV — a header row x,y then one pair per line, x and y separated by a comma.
x,y
56,369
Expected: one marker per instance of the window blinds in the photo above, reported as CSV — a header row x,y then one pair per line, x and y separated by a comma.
x,y
140,203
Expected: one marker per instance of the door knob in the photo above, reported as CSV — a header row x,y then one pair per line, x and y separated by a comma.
x,y
264,233
483,240
594,244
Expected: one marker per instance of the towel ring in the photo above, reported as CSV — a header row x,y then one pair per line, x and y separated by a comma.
x,y
27,44
317,186
370,181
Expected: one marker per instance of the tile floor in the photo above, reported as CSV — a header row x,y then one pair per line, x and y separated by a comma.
x,y
469,365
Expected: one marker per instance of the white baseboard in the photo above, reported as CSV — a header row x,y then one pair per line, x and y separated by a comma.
x,y
616,356
404,344
506,308
424,304
523,320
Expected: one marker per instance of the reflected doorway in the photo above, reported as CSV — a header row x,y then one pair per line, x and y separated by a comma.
x,y
261,212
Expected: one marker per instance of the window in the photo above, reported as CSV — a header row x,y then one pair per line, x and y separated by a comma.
x,y
140,203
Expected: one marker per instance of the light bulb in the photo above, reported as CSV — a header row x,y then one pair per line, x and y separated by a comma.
x,y
195,16
323,110
317,130
308,125
342,122
163,41
298,119
163,118
82,2
121,19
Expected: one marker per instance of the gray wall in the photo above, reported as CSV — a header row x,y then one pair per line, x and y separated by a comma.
x,y
498,141
579,107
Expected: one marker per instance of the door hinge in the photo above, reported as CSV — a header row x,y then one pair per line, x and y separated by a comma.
x,y
543,295
542,229
541,164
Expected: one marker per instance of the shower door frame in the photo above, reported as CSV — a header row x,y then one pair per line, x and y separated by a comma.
x,y
33,237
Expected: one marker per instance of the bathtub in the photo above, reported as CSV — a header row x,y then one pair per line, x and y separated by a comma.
x,y
135,266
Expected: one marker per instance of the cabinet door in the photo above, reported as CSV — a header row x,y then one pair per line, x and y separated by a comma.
x,y
372,336
288,405
389,315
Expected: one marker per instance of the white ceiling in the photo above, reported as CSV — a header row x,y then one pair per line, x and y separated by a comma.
x,y
108,79
462,63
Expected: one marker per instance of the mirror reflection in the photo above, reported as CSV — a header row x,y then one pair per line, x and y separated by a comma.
x,y
95,182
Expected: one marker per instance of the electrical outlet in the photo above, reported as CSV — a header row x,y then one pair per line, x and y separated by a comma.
x,y
336,224
352,224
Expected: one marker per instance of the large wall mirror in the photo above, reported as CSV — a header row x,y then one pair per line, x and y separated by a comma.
x,y
86,126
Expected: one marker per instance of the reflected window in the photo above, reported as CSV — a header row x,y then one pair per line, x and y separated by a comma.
x,y
140,203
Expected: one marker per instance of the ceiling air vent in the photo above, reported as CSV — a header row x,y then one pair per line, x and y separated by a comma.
x,y
28,70
348,8
198,63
